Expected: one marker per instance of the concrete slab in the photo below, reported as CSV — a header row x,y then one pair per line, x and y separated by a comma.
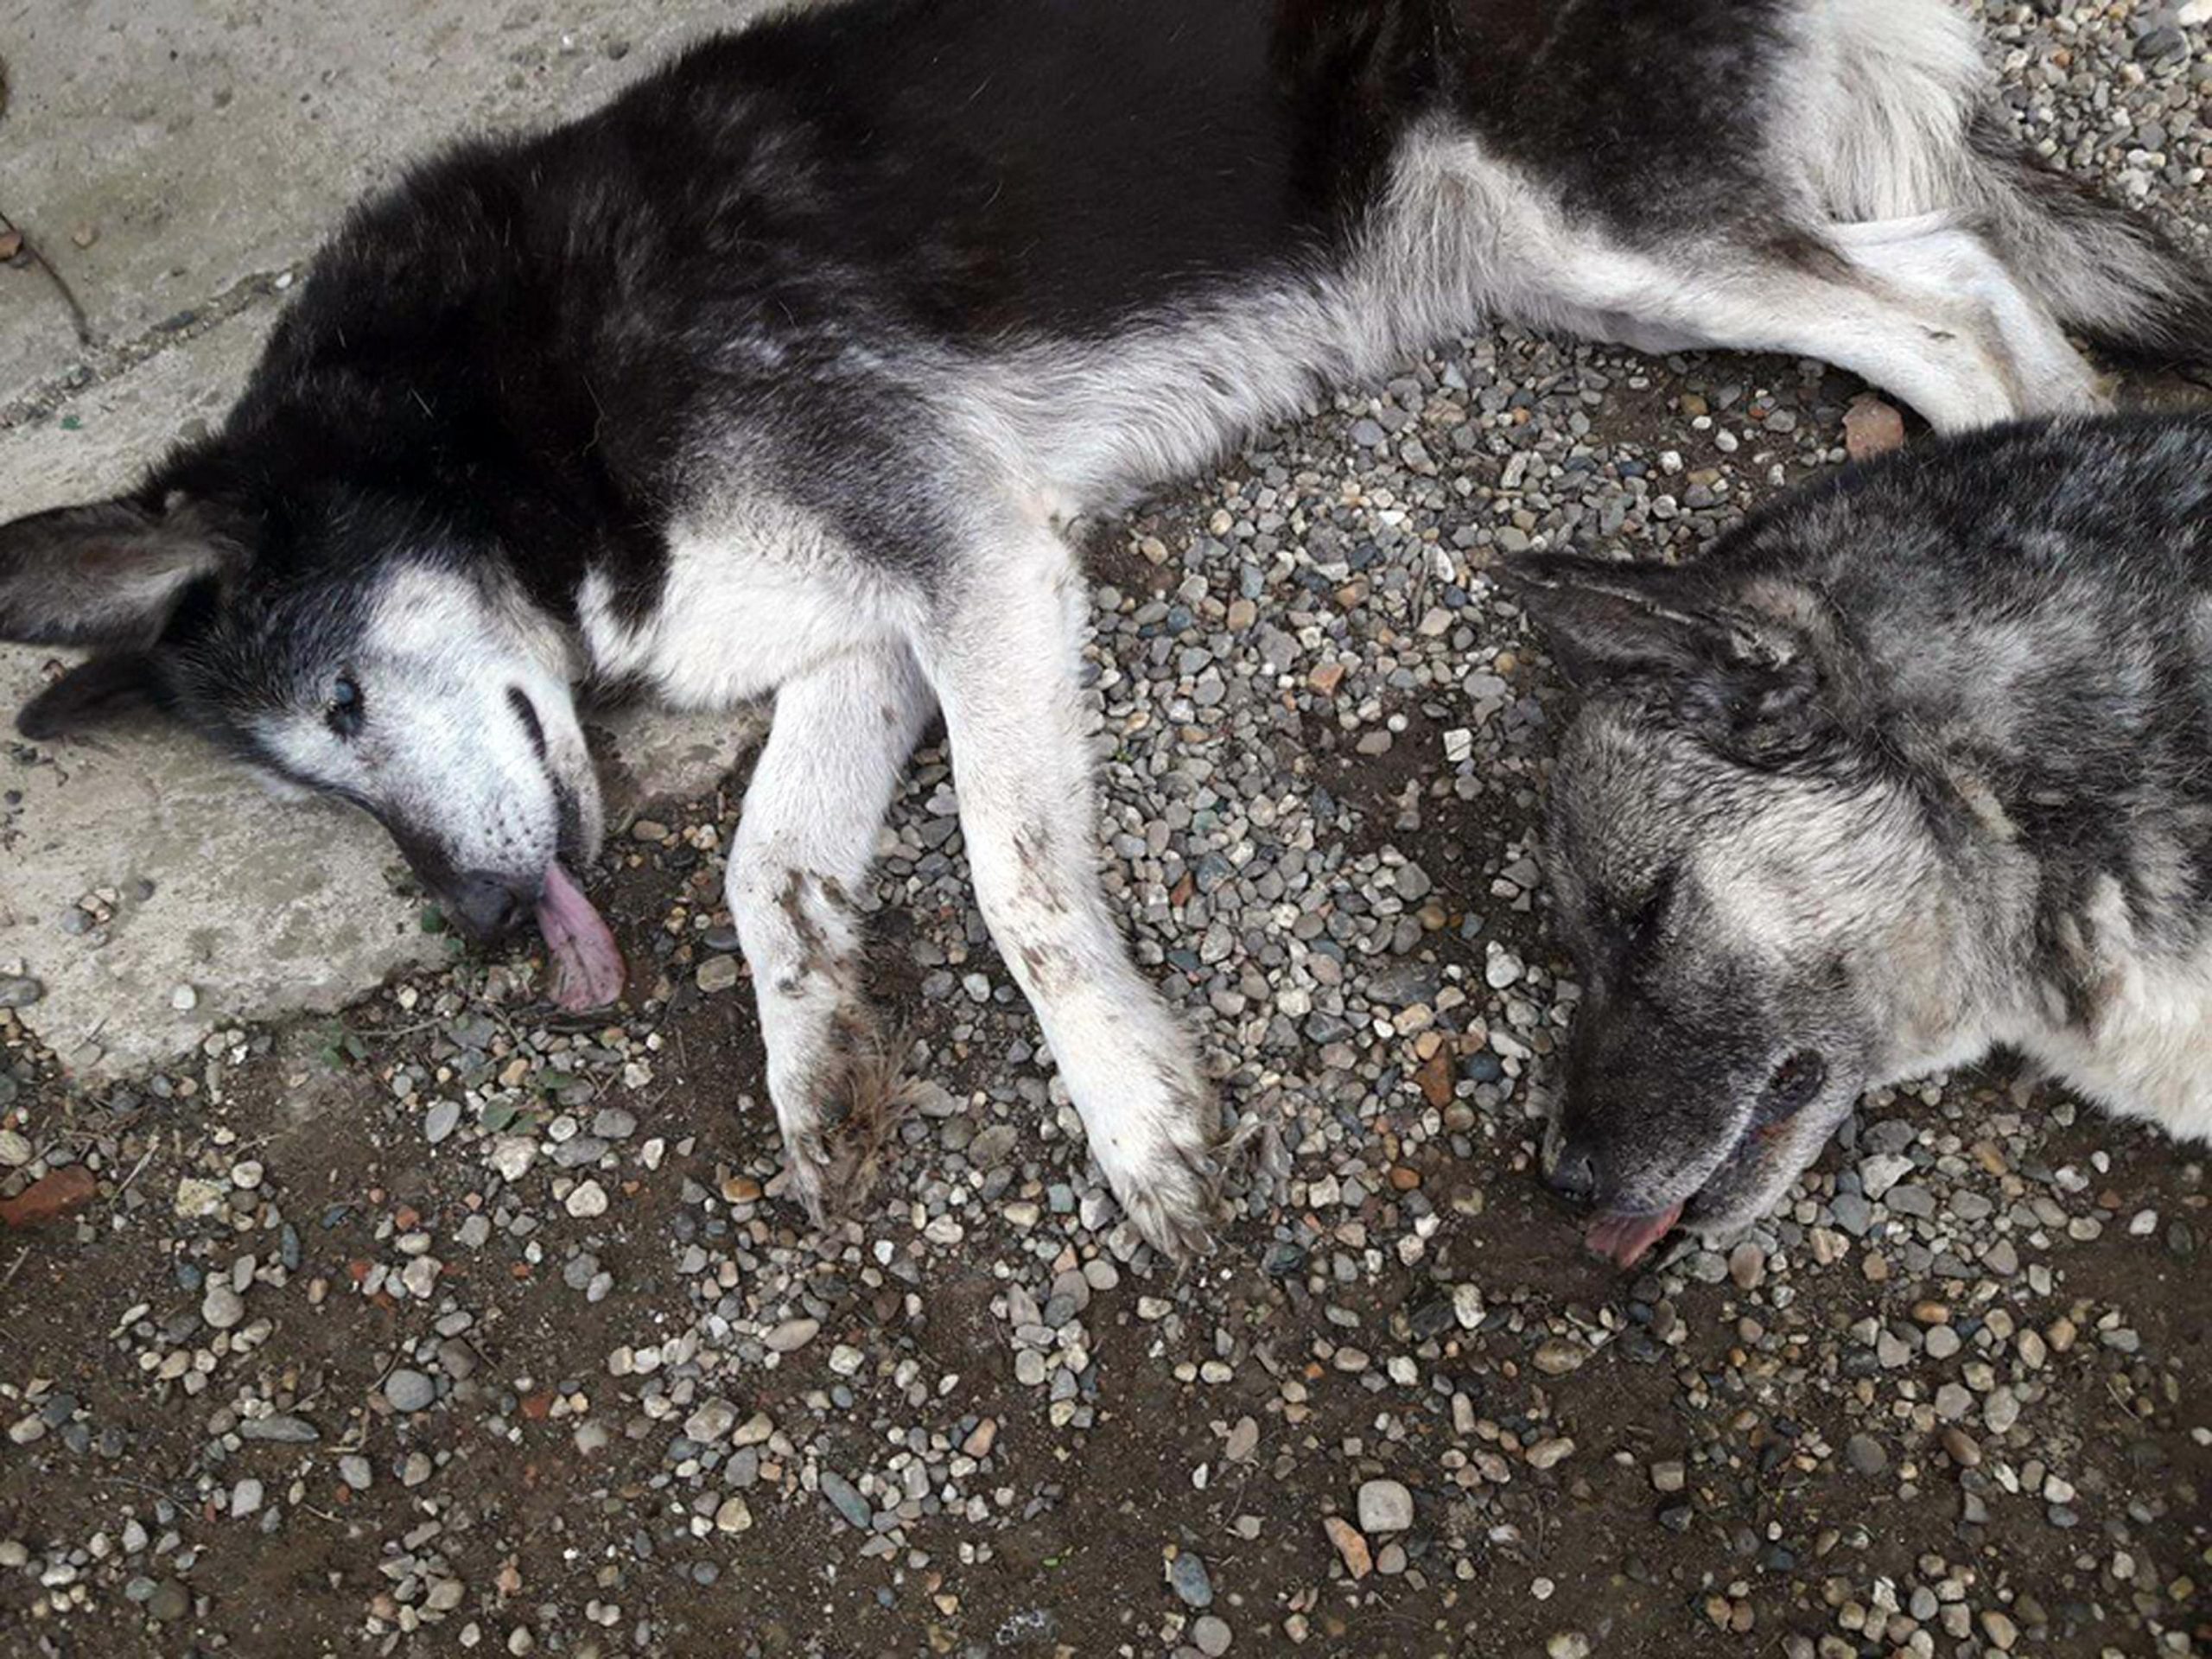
x,y
196,888
100,440
202,146
161,152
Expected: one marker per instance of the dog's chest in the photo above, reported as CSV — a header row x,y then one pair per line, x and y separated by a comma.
x,y
753,597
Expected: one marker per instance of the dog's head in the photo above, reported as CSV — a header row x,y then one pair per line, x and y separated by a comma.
x,y
1746,879
337,639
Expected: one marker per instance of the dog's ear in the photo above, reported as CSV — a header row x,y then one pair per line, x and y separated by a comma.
x,y
1602,619
92,693
109,575
1737,667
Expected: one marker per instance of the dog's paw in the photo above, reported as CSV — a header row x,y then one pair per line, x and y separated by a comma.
x,y
1170,1200
836,1113
1158,1152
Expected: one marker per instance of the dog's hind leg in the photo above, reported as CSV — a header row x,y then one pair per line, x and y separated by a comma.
x,y
1918,308
1896,117
1932,262
804,844
1003,649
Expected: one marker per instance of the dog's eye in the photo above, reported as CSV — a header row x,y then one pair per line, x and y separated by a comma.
x,y
1793,1085
344,712
1648,914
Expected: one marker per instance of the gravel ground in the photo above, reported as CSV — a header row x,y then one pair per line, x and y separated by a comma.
x,y
448,1326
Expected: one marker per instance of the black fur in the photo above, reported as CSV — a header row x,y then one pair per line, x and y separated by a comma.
x,y
521,343
1614,101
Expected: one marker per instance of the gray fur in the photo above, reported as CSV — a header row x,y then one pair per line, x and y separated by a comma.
x,y
1915,765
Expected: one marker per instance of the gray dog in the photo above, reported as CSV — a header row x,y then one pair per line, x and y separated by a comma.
x,y
1914,765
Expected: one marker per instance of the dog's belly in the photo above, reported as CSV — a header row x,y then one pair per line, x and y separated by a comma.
x,y
1459,233
756,594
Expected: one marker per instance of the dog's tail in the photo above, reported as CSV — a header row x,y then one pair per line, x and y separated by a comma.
x,y
2105,271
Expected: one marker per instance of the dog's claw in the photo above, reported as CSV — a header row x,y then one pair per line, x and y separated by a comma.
x,y
808,1174
827,1177
1174,1212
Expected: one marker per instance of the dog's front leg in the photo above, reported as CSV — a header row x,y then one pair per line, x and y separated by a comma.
x,y
1003,649
804,844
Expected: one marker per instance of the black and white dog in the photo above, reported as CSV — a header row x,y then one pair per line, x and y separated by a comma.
x,y
783,371
1916,764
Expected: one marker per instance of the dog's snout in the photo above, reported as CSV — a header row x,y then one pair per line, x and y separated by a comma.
x,y
1573,1174
487,904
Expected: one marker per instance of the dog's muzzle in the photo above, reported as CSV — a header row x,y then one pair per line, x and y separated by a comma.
x,y
488,905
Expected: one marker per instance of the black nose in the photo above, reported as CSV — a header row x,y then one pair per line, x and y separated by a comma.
x,y
486,904
1575,1174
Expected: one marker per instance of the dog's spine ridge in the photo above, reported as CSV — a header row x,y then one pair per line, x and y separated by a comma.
x,y
2107,271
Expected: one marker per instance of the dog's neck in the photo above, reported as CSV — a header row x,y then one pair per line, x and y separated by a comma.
x,y
2068,882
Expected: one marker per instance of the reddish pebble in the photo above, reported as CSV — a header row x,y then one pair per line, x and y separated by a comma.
x,y
1871,428
1435,1080
50,1197
1351,1545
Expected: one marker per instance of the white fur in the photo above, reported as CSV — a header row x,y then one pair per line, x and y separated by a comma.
x,y
1885,93
439,743
2148,1050
842,735
1004,650
761,596
759,593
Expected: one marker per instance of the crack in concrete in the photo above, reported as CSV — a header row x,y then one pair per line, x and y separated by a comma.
x,y
106,361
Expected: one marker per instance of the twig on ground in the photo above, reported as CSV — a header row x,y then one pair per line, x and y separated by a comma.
x,y
29,249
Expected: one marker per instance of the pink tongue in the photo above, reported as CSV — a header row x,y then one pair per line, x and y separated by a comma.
x,y
1625,1238
587,963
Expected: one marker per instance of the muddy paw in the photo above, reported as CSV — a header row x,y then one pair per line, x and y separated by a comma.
x,y
1162,1167
837,1121
1172,1205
